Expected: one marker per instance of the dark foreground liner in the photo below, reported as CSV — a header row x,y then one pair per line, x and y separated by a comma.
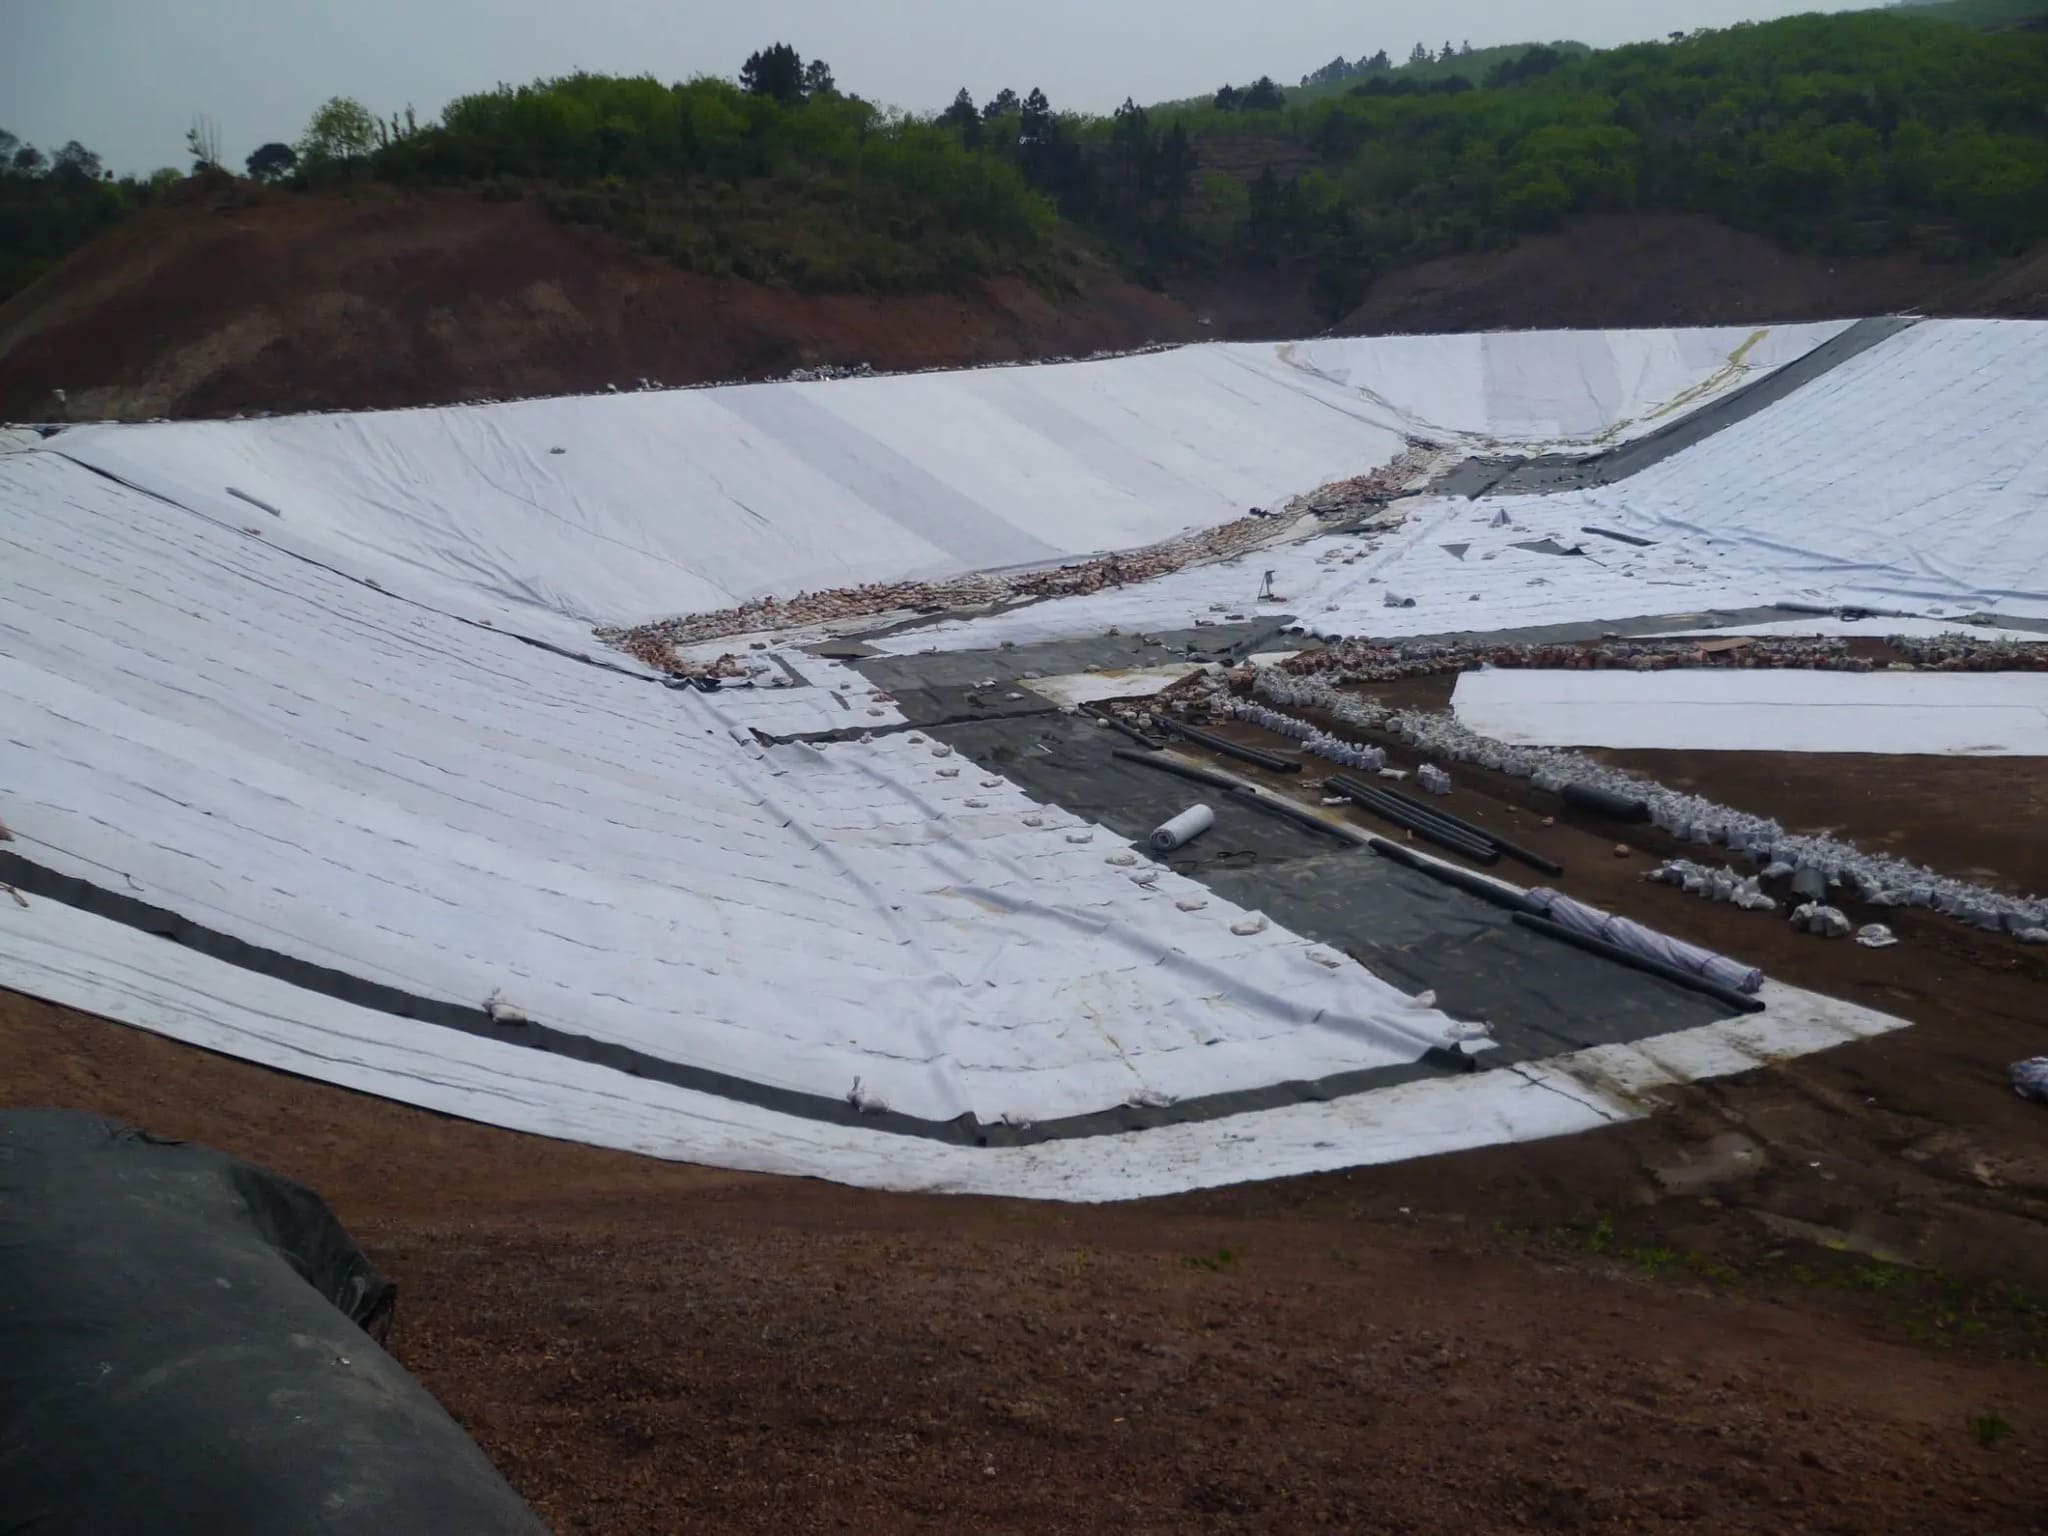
x,y
182,1354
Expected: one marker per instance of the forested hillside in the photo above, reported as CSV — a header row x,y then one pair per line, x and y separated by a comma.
x,y
1853,134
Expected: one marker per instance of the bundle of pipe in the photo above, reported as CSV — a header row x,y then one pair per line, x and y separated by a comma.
x,y
1632,936
1271,762
1880,879
1431,826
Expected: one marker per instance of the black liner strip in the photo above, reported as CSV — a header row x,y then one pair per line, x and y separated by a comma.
x,y
964,1130
1619,538
1740,1001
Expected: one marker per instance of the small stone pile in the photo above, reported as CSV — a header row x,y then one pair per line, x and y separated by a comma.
x,y
1384,661
1967,653
654,644
1368,492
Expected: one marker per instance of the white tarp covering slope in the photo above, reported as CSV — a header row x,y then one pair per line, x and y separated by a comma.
x,y
1913,478
1965,714
205,723
685,501
1532,389
287,756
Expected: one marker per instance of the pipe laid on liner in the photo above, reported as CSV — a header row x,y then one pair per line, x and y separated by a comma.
x,y
1250,794
1186,771
1447,874
1740,1002
1259,758
1121,727
1512,850
1182,829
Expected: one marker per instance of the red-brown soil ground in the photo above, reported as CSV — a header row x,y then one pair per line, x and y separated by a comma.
x,y
237,299
244,300
1799,1300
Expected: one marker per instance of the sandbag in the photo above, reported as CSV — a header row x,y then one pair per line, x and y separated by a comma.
x,y
182,1353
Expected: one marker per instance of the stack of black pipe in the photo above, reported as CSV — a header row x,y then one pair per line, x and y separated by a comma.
x,y
1435,826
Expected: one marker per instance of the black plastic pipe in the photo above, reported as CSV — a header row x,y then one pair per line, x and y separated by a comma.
x,y
1423,828
1122,727
1348,785
1421,815
1186,771
1741,1002
1512,850
1258,757
1605,802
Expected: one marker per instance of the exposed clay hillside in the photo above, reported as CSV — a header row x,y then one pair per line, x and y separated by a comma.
x,y
1678,269
236,299
240,300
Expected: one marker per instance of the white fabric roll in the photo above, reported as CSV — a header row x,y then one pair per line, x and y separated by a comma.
x,y
1184,828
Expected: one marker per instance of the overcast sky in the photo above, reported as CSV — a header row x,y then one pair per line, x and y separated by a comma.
x,y
125,77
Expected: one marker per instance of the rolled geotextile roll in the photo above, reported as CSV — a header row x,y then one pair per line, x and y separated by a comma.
x,y
1183,829
1485,890
1605,802
1614,952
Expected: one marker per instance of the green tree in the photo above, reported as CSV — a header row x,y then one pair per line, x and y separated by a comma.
x,y
818,79
341,133
271,162
963,119
74,162
1003,104
1262,95
776,72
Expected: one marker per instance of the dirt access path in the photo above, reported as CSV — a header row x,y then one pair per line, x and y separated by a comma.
x,y
1600,1333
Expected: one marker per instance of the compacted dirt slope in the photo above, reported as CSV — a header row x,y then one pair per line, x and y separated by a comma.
x,y
235,299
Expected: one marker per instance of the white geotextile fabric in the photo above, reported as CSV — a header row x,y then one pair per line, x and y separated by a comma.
x,y
272,750
1912,479
87,962
1538,389
1723,709
683,501
1625,933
